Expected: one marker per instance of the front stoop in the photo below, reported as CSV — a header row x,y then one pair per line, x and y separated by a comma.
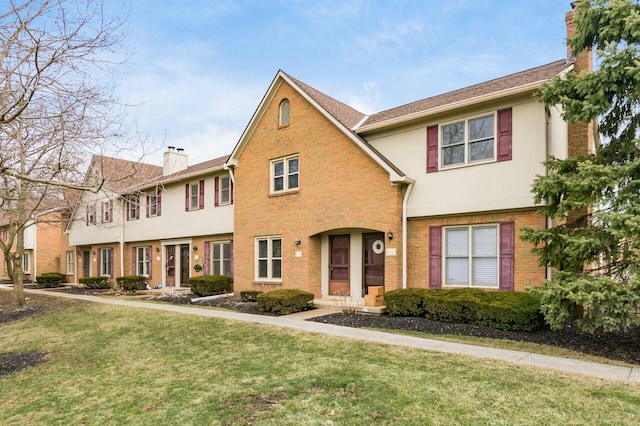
x,y
341,305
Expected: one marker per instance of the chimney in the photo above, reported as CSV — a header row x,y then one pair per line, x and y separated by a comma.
x,y
174,161
580,137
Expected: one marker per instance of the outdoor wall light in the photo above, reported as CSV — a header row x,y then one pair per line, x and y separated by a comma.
x,y
195,248
157,249
390,235
297,241
93,252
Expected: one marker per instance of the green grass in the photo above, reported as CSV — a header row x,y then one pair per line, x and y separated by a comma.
x,y
116,365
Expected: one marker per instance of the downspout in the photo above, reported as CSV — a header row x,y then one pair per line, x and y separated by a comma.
x,y
405,203
122,222
230,170
35,249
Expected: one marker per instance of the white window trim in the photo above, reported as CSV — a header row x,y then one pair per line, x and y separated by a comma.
x,y
153,196
106,251
281,122
106,211
143,260
222,259
269,258
195,197
26,262
466,120
69,262
133,201
222,202
470,256
286,174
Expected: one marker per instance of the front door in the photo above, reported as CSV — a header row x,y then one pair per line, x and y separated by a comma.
x,y
373,260
86,263
184,265
339,265
171,265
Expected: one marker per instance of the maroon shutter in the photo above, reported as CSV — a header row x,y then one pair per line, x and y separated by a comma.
x,y
87,217
201,195
158,203
110,210
504,134
207,254
148,200
432,149
101,212
435,257
127,207
149,256
507,241
186,197
216,190
231,259
137,207
111,262
230,189
134,261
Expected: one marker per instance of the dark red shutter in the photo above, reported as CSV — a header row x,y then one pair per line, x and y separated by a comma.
x,y
216,190
134,263
231,189
110,210
186,197
102,212
207,254
201,195
111,262
158,203
435,257
504,134
507,241
432,149
148,201
127,207
87,217
150,257
137,207
231,259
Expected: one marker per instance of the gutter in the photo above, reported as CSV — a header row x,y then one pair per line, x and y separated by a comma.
x,y
405,203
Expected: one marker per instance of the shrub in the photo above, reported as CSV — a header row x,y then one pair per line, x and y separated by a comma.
x,y
209,285
95,282
284,302
511,311
50,279
249,295
130,283
454,306
405,302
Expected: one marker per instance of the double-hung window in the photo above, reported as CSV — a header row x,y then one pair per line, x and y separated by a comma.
x,y
107,211
225,190
106,262
468,141
268,258
221,258
69,262
194,196
133,207
285,174
471,256
26,262
153,204
142,261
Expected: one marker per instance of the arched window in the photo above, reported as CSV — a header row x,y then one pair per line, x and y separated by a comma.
x,y
284,113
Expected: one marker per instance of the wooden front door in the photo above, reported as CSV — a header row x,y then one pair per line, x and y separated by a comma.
x,y
86,263
373,260
339,265
170,254
184,265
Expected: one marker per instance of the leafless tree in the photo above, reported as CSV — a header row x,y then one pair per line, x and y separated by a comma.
x,y
55,109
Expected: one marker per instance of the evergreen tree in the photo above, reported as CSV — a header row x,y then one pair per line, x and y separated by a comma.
x,y
594,201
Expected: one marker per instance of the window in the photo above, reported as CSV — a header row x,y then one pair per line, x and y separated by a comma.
x,y
468,141
225,190
26,263
106,262
153,204
283,119
471,256
69,263
107,211
269,258
4,233
285,174
91,215
133,207
194,196
141,261
221,258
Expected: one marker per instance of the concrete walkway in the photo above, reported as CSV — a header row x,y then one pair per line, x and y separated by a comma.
x,y
298,322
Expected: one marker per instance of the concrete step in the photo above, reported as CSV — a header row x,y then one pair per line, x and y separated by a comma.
x,y
339,305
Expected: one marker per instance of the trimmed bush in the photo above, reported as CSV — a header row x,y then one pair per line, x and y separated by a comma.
x,y
249,295
50,279
284,302
209,285
95,282
130,283
499,310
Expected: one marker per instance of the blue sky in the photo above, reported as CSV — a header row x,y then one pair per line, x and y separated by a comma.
x,y
198,69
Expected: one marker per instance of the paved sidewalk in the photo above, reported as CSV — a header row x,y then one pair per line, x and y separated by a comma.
x,y
297,322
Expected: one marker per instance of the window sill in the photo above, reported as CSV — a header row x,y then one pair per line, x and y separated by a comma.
x,y
461,166
281,193
267,283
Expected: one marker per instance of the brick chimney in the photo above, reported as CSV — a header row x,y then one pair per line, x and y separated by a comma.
x,y
175,160
580,135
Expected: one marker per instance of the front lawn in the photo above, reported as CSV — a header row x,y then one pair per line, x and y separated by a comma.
x,y
115,365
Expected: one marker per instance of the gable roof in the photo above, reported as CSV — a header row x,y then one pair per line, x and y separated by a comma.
x,y
341,115
121,174
191,171
511,84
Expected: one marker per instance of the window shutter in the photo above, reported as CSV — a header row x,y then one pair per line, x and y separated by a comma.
x,y
216,191
137,205
201,195
111,262
186,197
87,216
432,149
102,212
435,257
507,237
134,261
110,210
230,190
158,203
148,201
207,253
150,257
504,134
127,206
